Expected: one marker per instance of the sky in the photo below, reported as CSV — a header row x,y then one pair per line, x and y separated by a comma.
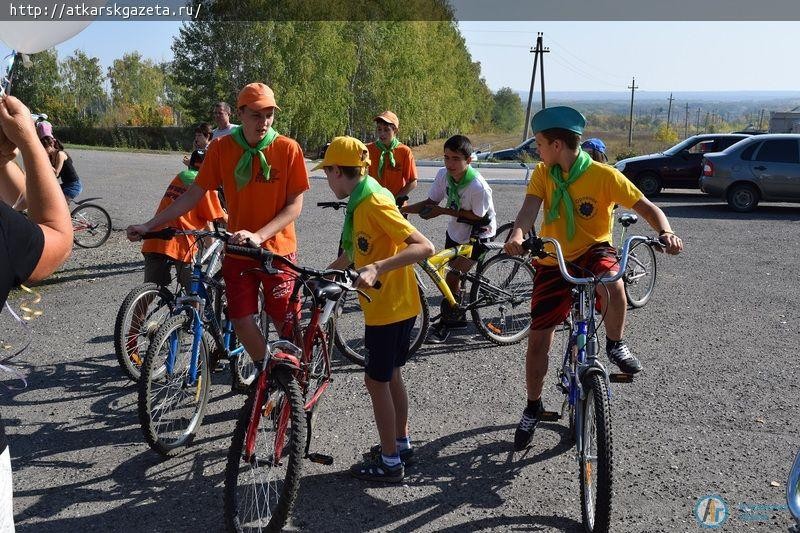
x,y
584,56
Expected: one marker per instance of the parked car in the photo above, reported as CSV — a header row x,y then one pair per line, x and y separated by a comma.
x,y
678,167
764,167
527,149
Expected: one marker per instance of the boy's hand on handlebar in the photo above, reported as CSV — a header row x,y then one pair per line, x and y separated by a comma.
x,y
245,238
673,244
135,232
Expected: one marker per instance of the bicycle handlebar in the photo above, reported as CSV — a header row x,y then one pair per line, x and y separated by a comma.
x,y
168,233
345,277
335,205
535,245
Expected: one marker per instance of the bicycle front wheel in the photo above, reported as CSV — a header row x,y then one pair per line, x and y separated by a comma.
x,y
261,483
501,297
640,275
596,458
349,332
91,225
172,401
142,311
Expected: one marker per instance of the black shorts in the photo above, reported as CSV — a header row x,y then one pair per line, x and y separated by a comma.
x,y
158,269
387,348
477,250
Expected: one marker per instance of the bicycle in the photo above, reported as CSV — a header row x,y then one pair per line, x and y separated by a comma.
x,y
349,330
144,309
585,383
640,273
174,386
264,461
91,224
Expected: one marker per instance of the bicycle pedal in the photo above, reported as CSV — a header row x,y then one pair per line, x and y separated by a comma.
x,y
550,416
620,378
320,459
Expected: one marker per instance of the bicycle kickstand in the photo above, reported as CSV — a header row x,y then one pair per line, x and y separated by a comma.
x,y
318,458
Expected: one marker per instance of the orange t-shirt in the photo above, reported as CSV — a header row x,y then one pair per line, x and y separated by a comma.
x,y
258,202
180,247
394,177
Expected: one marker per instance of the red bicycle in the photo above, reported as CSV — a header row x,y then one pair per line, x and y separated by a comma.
x,y
264,461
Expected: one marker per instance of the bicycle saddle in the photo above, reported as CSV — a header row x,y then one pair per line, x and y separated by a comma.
x,y
627,219
324,290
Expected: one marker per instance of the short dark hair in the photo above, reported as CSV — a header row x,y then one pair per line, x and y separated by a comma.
x,y
460,144
205,129
224,105
197,158
350,172
570,138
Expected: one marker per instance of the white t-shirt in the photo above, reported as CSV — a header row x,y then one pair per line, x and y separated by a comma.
x,y
476,197
216,133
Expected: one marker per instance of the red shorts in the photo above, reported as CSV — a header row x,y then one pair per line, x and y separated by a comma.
x,y
242,280
552,299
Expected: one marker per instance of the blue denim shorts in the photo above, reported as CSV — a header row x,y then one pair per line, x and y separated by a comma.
x,y
72,190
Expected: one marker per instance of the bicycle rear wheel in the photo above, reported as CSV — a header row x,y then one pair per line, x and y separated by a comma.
x,y
171,404
596,459
91,225
260,489
349,336
501,296
141,313
640,275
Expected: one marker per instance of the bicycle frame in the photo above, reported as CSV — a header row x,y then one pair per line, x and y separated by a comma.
x,y
436,265
793,492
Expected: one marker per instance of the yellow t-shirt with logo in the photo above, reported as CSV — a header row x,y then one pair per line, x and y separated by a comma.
x,y
380,231
593,196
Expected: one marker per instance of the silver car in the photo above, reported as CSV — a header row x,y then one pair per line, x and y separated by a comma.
x,y
763,167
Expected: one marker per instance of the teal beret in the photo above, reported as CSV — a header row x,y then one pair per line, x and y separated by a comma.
x,y
561,116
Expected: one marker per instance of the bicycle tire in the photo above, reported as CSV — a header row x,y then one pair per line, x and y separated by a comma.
x,y
130,346
151,412
318,367
349,331
596,505
249,477
91,225
508,274
640,275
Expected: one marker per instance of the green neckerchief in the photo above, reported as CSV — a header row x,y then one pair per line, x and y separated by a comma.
x,y
454,187
386,150
188,176
365,188
561,194
244,168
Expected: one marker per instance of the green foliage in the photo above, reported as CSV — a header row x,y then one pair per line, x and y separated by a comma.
x,y
84,98
37,82
137,81
625,155
507,112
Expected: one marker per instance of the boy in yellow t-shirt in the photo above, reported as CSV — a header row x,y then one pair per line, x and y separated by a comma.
x,y
383,245
578,196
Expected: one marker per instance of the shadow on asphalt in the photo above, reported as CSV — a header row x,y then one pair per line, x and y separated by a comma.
x,y
93,272
169,495
723,212
468,472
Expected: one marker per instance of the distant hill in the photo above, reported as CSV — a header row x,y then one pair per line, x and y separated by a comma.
x,y
687,96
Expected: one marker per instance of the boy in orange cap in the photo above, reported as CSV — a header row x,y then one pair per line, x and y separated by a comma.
x,y
263,176
392,162
383,245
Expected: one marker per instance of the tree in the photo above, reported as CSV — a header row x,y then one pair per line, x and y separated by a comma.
x,y
83,94
666,134
507,112
37,82
138,86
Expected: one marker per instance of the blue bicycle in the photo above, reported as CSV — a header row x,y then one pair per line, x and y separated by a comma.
x,y
585,383
793,494
174,387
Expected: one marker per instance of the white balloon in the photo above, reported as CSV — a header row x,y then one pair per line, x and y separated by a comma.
x,y
31,36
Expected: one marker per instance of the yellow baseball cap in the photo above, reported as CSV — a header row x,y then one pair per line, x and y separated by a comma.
x,y
345,152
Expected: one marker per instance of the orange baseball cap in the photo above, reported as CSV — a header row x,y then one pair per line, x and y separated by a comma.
x,y
256,95
389,118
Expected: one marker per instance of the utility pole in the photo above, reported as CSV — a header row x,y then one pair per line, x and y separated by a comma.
x,y
669,109
686,123
632,87
539,49
697,123
761,119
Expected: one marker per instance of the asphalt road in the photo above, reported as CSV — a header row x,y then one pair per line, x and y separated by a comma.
x,y
714,411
